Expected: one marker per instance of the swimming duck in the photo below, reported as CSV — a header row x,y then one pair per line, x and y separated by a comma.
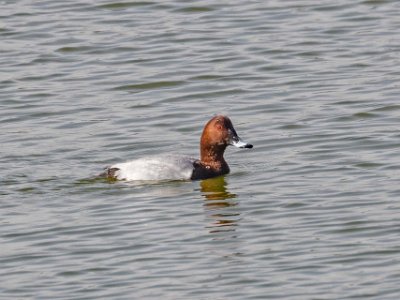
x,y
217,134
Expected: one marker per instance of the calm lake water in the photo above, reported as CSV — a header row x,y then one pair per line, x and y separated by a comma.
x,y
312,212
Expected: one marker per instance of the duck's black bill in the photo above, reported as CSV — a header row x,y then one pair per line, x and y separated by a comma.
x,y
249,146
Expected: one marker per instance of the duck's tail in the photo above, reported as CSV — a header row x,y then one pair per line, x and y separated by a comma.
x,y
109,173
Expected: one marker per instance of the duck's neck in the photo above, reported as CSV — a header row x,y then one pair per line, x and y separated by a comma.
x,y
213,156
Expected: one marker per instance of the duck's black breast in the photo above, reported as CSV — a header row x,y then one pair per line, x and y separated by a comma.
x,y
204,171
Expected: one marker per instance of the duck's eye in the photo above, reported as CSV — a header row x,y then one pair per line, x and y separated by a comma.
x,y
219,124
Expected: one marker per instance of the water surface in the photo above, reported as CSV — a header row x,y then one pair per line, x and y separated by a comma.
x,y
311,212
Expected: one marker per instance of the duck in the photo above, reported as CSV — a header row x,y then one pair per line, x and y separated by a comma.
x,y
217,135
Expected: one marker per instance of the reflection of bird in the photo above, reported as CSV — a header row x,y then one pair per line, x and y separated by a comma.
x,y
218,133
218,200
215,189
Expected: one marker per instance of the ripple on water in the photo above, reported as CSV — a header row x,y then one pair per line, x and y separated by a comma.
x,y
312,210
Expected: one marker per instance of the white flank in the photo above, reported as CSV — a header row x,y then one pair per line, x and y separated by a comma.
x,y
167,167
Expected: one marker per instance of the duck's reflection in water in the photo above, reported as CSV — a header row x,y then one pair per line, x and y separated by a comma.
x,y
220,205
